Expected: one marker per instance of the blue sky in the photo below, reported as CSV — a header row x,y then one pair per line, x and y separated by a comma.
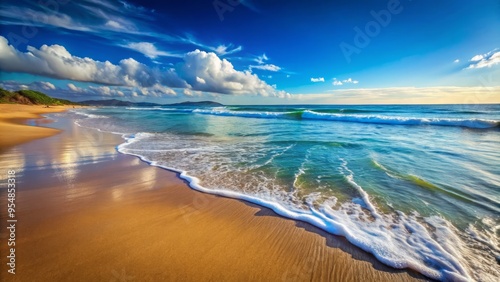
x,y
254,52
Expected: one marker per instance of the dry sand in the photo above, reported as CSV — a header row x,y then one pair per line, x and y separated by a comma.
x,y
88,213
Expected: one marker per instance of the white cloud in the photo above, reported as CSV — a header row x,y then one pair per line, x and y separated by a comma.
x,y
105,91
95,20
345,81
219,76
485,60
75,88
114,24
318,79
46,85
457,61
200,80
221,49
261,59
42,86
261,64
267,67
191,93
36,18
350,80
157,90
148,50
477,58
225,49
187,92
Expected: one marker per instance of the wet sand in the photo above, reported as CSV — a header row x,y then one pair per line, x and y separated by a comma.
x,y
88,213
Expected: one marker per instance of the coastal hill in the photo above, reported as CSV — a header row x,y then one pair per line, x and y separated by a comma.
x,y
30,97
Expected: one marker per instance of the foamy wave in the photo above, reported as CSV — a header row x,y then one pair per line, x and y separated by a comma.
x,y
398,240
376,119
224,112
312,115
79,112
161,109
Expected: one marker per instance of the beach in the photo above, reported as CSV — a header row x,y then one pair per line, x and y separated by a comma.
x,y
12,129
88,213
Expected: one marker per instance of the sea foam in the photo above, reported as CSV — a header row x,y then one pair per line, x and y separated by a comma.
x,y
398,240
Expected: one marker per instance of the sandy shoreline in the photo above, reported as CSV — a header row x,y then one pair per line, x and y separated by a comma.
x,y
12,129
88,213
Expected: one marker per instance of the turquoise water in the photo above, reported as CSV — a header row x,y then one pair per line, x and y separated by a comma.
x,y
417,186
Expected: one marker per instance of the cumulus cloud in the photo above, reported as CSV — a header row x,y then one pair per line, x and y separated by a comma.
x,y
157,90
106,91
207,72
345,81
457,61
477,58
200,71
485,60
45,85
75,88
191,93
148,50
55,61
318,79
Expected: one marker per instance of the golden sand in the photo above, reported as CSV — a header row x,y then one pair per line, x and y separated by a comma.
x,y
88,213
13,132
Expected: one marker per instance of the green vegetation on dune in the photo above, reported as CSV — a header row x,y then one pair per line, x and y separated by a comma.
x,y
30,97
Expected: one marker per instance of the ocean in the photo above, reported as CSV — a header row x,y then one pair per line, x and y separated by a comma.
x,y
417,186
